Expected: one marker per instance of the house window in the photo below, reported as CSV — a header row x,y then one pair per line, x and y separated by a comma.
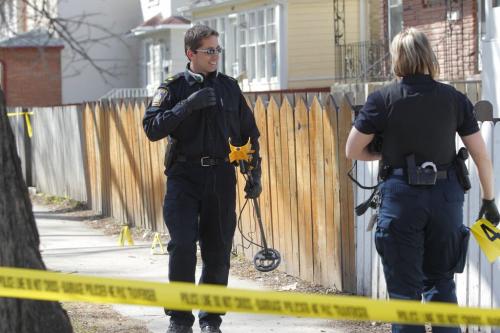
x,y
258,44
271,42
250,42
395,11
157,62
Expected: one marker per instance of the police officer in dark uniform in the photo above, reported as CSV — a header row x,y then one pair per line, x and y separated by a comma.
x,y
420,236
199,110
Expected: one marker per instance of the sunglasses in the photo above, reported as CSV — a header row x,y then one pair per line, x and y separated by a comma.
x,y
211,51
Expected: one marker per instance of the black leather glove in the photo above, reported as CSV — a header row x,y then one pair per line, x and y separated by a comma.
x,y
253,190
201,99
489,211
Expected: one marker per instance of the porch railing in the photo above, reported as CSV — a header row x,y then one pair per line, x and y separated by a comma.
x,y
125,93
362,61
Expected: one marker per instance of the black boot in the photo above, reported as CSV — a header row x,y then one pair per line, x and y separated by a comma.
x,y
176,328
210,329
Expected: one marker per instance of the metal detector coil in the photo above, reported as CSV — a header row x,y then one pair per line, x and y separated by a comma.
x,y
267,259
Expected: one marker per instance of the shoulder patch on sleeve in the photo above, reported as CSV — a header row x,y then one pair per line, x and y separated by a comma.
x,y
159,96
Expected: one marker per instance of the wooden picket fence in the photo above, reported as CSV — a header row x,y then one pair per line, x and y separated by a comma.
x,y
304,164
124,169
98,152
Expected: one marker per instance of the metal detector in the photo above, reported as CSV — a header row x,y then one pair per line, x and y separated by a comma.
x,y
267,259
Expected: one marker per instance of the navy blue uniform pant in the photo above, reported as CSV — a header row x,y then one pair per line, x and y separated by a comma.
x,y
422,242
200,207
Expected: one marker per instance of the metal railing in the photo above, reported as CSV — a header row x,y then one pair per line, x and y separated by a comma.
x,y
123,93
362,61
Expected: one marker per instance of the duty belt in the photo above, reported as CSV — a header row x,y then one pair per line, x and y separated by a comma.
x,y
204,161
440,174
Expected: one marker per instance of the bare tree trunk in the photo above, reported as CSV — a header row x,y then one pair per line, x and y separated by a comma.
x,y
19,243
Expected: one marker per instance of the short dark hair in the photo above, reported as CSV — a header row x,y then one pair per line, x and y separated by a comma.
x,y
195,34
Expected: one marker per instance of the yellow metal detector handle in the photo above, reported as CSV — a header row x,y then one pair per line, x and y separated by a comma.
x,y
243,153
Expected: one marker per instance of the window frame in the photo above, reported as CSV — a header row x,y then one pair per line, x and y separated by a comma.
x,y
250,49
156,54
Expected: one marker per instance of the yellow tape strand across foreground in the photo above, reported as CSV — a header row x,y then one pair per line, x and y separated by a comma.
x,y
43,285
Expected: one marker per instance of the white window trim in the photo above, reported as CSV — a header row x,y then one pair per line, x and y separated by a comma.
x,y
256,84
154,65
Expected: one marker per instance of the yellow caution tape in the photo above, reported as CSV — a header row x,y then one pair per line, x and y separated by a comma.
x,y
27,119
125,235
50,286
488,238
157,244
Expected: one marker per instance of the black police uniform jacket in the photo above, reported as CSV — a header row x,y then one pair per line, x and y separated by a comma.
x,y
417,115
202,132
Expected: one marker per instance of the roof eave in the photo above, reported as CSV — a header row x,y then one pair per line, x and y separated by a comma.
x,y
207,4
162,27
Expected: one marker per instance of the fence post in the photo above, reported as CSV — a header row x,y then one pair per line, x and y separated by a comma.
x,y
27,153
345,117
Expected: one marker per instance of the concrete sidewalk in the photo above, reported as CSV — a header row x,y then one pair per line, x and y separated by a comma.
x,y
69,245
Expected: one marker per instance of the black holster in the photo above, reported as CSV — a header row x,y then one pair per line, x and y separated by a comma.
x,y
170,153
461,168
418,175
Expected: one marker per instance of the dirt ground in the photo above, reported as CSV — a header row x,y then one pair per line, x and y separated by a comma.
x,y
97,318
100,318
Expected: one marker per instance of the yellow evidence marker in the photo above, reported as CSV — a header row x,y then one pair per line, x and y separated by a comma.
x,y
157,244
488,238
125,235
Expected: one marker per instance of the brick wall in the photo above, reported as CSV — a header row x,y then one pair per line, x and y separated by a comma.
x,y
454,41
32,76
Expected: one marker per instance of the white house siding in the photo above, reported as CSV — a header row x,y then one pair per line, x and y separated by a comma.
x,y
310,44
230,8
179,59
80,81
166,8
491,59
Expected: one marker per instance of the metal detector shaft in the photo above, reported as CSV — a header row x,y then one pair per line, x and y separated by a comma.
x,y
256,205
267,259
259,219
